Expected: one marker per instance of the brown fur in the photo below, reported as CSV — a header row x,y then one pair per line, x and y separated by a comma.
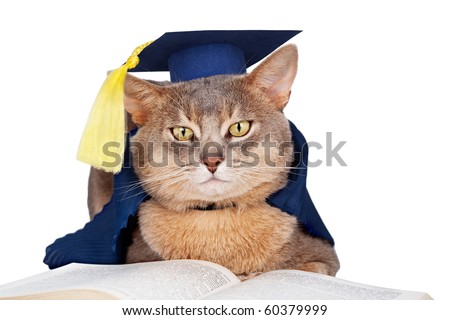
x,y
257,239
244,233
101,184
100,189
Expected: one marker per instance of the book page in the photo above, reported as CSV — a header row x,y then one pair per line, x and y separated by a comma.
x,y
294,284
71,294
176,279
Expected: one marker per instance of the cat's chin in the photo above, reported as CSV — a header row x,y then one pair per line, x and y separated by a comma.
x,y
214,189
214,181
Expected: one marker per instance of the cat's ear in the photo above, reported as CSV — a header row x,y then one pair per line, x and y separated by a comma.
x,y
139,96
276,74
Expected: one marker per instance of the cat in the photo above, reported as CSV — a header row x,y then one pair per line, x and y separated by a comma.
x,y
208,198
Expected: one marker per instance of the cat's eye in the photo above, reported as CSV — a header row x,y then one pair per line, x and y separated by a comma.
x,y
239,129
182,133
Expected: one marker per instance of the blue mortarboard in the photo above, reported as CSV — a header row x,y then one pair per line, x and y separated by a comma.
x,y
187,55
191,55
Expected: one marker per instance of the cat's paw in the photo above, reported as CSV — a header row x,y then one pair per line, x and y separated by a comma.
x,y
248,276
318,267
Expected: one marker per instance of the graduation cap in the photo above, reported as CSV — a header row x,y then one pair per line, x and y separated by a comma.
x,y
187,56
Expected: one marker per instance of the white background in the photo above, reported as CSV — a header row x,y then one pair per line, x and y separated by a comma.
x,y
376,75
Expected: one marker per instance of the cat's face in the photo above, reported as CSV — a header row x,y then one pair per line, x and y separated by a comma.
x,y
221,139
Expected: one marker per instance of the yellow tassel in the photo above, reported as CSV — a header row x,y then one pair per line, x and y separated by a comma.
x,y
102,144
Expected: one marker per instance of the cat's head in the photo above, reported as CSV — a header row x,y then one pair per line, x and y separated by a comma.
x,y
221,139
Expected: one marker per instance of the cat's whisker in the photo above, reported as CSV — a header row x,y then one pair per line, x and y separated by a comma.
x,y
258,175
158,178
142,192
123,190
127,189
138,184
165,184
133,183
254,176
165,175
129,195
174,181
135,195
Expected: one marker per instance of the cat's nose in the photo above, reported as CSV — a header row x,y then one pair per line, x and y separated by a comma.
x,y
212,163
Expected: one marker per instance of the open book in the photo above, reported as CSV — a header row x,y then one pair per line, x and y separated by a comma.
x,y
188,279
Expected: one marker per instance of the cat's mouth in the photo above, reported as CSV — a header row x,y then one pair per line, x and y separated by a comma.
x,y
214,187
214,180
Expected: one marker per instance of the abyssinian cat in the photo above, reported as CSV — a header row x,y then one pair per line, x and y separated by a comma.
x,y
199,140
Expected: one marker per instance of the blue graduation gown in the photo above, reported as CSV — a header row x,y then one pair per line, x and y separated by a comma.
x,y
104,239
